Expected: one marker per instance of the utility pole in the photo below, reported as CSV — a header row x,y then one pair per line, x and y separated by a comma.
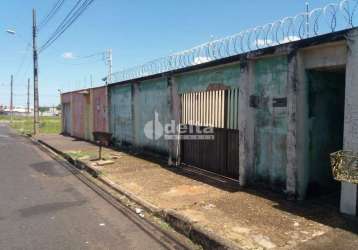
x,y
28,96
109,62
91,81
36,90
11,98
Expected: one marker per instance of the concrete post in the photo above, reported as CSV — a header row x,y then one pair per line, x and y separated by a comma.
x,y
175,108
170,117
246,122
135,114
292,82
349,191
302,135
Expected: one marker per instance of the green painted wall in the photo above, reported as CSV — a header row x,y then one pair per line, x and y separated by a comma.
x,y
201,80
152,99
120,114
271,122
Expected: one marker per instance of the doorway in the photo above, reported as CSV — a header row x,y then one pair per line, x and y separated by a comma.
x,y
326,96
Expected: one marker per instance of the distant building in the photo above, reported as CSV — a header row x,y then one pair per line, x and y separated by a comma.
x,y
17,111
51,111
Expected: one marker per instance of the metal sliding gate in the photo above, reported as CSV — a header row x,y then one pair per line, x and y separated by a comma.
x,y
215,112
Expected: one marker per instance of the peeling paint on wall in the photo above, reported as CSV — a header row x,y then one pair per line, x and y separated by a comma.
x,y
153,98
99,109
210,79
271,121
79,115
121,114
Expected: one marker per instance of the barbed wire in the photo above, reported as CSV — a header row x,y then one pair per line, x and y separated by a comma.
x,y
330,18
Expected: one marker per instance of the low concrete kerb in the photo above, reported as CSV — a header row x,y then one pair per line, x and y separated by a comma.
x,y
184,225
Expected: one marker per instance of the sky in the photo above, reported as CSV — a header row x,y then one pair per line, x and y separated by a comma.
x,y
137,31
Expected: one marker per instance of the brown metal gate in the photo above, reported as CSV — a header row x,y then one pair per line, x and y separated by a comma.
x,y
217,110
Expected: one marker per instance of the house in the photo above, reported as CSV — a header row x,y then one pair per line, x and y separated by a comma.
x,y
271,116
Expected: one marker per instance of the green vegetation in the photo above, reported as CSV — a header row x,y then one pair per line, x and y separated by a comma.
x,y
24,124
87,155
81,154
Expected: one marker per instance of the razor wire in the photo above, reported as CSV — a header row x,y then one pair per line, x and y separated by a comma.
x,y
330,18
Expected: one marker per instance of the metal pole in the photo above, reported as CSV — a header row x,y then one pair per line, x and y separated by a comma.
x,y
28,96
36,93
11,98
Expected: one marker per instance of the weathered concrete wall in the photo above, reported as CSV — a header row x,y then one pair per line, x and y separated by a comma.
x,y
274,139
214,78
175,115
246,123
88,119
77,114
271,122
66,98
349,193
66,113
99,109
153,110
294,70
120,115
78,106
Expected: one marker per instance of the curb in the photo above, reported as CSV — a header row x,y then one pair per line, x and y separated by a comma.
x,y
198,234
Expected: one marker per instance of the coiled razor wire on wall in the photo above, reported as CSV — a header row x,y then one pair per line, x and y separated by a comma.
x,y
331,18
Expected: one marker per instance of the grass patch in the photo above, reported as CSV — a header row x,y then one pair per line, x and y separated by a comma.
x,y
24,124
80,154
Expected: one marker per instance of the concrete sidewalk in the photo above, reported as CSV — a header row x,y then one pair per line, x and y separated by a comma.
x,y
252,219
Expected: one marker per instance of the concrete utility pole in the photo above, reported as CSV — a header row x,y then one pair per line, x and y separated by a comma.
x,y
28,96
11,98
36,93
109,62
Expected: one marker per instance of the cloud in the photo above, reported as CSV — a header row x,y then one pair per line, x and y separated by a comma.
x,y
201,59
289,39
264,43
68,56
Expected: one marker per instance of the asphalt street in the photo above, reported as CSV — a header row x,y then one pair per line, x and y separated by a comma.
x,y
44,206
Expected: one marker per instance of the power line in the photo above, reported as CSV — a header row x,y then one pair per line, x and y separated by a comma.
x,y
23,59
56,7
74,14
71,17
88,59
78,64
91,55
